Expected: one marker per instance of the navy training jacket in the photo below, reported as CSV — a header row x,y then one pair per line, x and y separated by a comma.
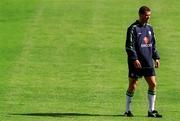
x,y
140,44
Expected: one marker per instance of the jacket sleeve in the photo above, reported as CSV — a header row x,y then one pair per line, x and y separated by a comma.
x,y
130,44
155,54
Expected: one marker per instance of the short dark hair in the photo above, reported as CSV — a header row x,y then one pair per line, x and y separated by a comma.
x,y
143,9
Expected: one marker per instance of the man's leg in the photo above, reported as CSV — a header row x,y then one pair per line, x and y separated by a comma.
x,y
129,94
152,96
151,92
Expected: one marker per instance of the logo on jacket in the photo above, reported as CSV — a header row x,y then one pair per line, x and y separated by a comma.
x,y
149,33
146,42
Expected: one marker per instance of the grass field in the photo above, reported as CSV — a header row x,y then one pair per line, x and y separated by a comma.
x,y
64,60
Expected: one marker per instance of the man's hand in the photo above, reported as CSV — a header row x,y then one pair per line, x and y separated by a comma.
x,y
157,63
137,64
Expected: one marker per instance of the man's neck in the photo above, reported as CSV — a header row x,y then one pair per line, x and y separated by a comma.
x,y
142,22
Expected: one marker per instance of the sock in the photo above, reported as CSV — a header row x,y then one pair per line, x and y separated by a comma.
x,y
129,96
151,99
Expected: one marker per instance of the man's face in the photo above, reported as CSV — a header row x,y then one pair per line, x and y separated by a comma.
x,y
145,17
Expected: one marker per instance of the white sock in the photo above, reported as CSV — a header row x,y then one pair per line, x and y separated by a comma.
x,y
151,99
129,96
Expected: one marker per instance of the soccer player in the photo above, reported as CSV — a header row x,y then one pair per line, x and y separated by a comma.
x,y
142,56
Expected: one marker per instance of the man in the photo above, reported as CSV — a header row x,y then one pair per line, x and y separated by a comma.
x,y
141,51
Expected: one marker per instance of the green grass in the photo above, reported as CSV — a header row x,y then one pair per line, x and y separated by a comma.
x,y
65,60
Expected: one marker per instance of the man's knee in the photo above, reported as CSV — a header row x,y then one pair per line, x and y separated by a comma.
x,y
151,82
132,84
152,86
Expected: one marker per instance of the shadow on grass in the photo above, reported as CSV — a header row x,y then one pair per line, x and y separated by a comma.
x,y
63,114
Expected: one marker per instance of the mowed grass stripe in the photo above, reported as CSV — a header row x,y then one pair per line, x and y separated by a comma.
x,y
15,83
13,22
